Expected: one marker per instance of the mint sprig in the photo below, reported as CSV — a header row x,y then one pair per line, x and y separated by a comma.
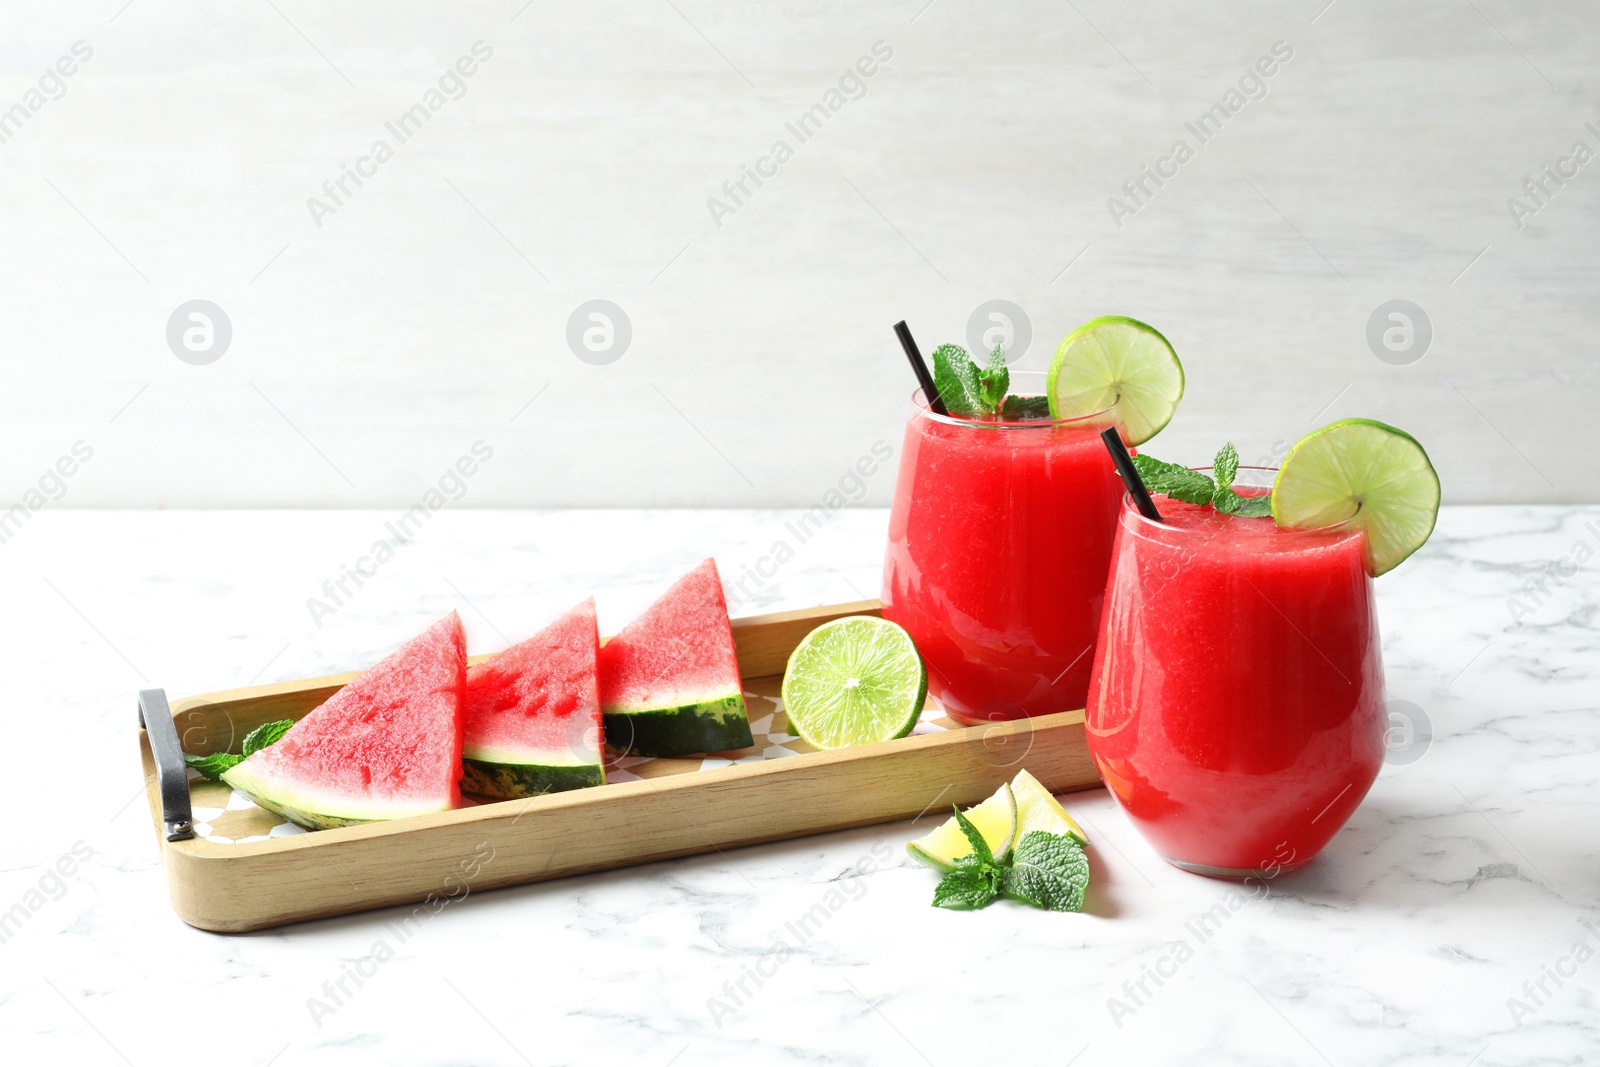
x,y
1025,407
213,765
981,853
977,877
956,378
1225,467
267,733
995,379
968,888
1232,503
1192,487
1169,479
975,392
1049,871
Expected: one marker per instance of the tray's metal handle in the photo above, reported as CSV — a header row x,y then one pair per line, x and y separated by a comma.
x,y
156,718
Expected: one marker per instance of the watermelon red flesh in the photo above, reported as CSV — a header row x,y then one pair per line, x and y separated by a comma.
x,y
669,682
531,715
386,745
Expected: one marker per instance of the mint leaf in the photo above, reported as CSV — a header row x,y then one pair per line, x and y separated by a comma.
x,y
1180,483
1049,871
1225,466
1025,407
969,391
265,734
1253,507
213,765
980,847
1227,501
995,380
956,378
1224,499
1192,487
966,889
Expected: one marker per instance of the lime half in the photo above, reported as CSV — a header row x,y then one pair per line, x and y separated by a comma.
x,y
1038,810
1364,474
853,681
996,819
1120,363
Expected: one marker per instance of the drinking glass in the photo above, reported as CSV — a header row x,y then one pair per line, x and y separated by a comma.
x,y
1236,706
999,542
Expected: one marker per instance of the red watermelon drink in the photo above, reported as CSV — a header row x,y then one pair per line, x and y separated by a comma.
x,y
999,541
1237,704
1005,510
1236,711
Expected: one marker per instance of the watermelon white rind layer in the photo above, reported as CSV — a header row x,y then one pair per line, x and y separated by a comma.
x,y
537,757
314,811
712,724
512,775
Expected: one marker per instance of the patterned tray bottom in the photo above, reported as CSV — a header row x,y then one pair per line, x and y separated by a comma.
x,y
227,817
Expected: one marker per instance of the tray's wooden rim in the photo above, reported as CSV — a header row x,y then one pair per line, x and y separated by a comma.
x,y
511,810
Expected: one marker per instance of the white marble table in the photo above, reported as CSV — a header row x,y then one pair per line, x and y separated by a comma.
x,y
1465,875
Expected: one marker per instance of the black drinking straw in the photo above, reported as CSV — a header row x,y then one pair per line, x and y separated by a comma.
x,y
919,368
1130,474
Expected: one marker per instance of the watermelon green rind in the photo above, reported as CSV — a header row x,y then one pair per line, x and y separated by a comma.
x,y
527,776
716,725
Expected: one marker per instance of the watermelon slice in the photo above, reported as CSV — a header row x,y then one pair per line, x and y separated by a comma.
x,y
531,716
385,746
669,682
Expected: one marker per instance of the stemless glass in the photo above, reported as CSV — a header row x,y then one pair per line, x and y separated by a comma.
x,y
1236,708
999,543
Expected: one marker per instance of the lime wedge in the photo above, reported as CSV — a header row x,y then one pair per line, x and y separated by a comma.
x,y
1364,474
1038,810
1015,809
996,820
1120,363
853,681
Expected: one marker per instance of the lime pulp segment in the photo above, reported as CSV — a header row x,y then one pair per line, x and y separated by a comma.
x,y
1117,363
853,681
1365,474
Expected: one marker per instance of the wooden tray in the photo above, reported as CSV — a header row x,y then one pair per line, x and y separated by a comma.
x,y
246,879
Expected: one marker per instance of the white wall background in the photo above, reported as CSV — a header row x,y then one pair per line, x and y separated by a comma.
x,y
370,353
